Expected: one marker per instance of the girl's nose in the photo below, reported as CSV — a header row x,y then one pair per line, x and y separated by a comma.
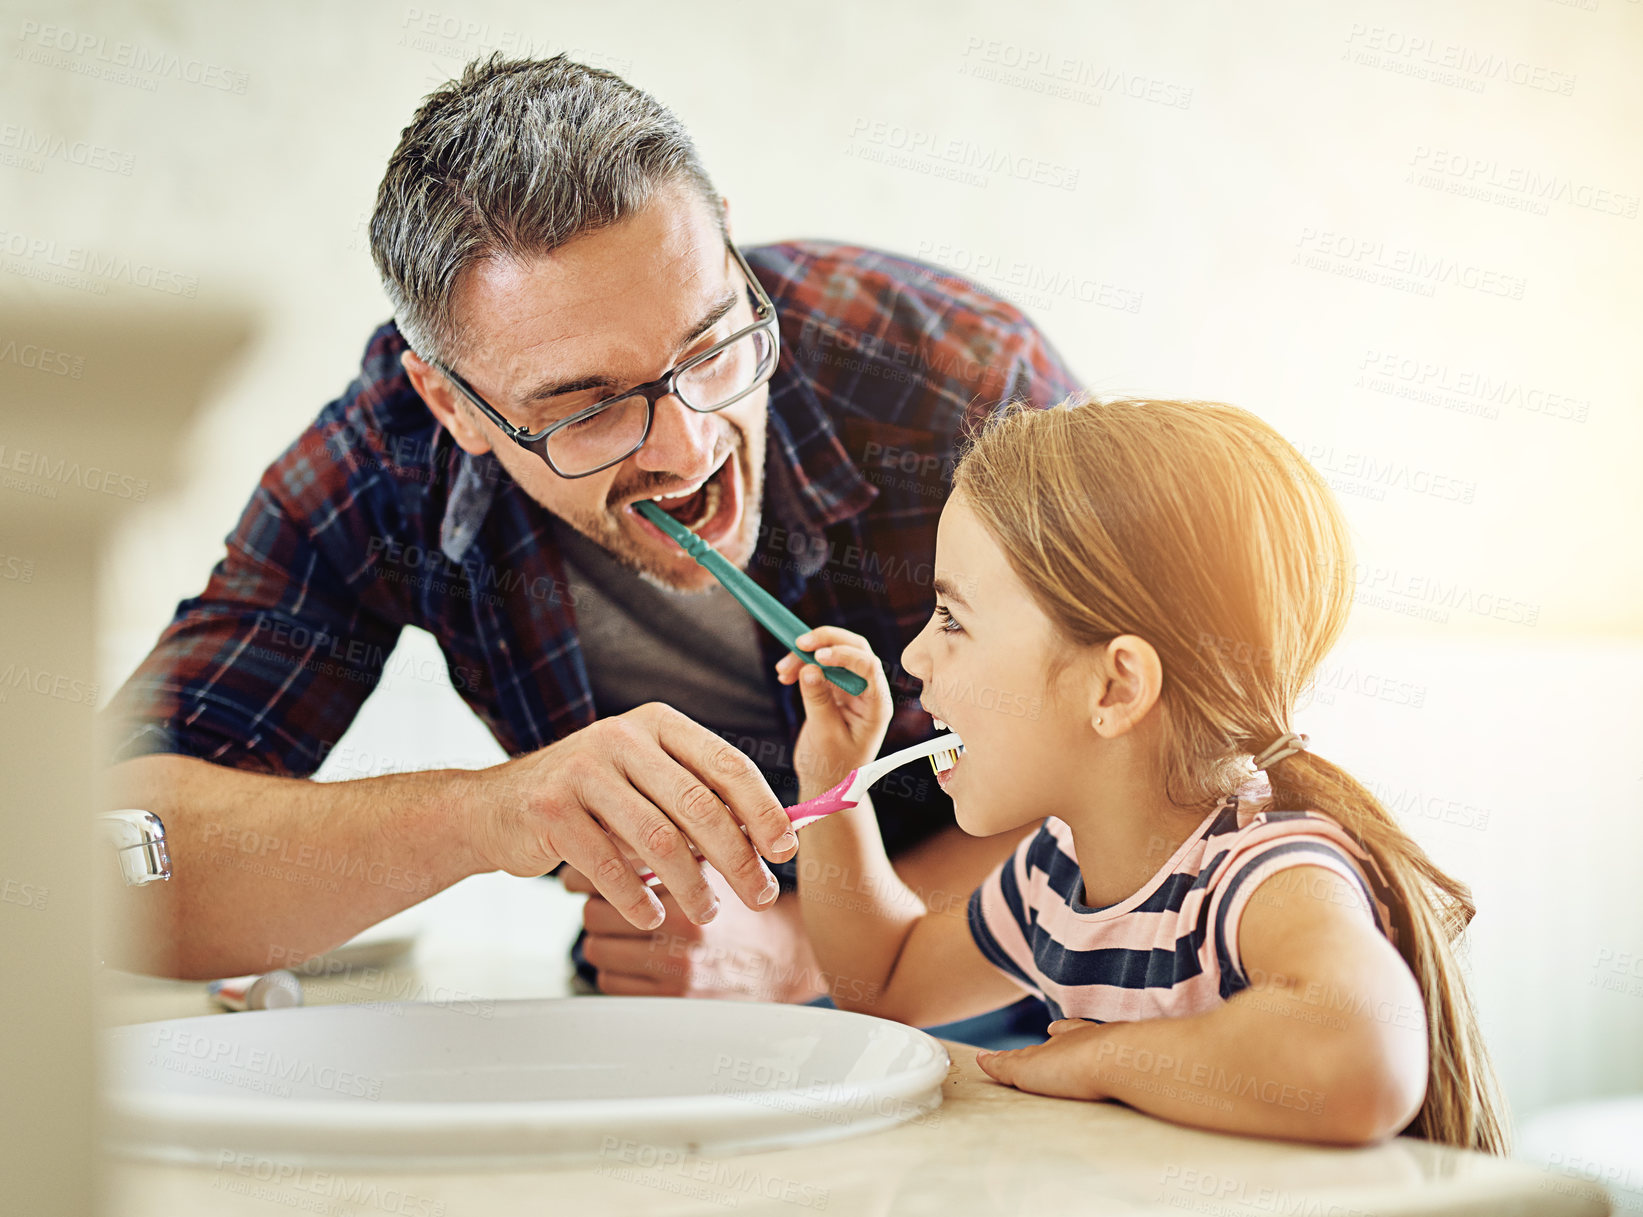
x,y
912,657
681,440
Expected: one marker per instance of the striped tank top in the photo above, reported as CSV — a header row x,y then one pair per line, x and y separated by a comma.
x,y
1171,949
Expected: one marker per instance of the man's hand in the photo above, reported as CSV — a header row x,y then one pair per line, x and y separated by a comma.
x,y
755,956
653,780
842,731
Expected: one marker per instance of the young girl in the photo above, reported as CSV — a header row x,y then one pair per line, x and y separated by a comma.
x,y
1233,932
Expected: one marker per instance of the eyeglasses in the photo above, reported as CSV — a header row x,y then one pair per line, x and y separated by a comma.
x,y
608,432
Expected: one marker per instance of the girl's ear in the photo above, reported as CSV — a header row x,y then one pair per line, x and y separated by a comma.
x,y
442,401
1131,683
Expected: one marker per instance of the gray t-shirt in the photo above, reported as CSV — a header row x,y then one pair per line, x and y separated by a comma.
x,y
698,652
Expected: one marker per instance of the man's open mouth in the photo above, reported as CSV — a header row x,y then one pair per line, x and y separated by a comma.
x,y
710,509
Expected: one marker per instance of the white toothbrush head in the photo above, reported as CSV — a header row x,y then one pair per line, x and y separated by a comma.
x,y
948,743
944,760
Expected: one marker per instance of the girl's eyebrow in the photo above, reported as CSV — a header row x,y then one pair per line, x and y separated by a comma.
x,y
944,587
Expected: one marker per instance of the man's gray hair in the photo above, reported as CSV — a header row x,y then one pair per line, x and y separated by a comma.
x,y
513,160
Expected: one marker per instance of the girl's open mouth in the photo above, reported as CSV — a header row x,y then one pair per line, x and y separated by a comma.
x,y
712,510
945,762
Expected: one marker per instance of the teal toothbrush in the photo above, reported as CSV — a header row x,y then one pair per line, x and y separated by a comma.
x,y
766,609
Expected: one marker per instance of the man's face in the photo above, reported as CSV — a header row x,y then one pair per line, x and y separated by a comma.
x,y
618,307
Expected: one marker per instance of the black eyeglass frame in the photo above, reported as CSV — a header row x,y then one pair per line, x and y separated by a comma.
x,y
651,391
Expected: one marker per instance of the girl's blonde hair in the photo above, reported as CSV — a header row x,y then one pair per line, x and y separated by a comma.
x,y
1198,527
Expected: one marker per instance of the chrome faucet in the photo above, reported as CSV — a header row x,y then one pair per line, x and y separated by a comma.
x,y
138,838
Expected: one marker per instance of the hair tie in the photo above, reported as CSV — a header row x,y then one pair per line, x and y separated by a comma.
x,y
1287,744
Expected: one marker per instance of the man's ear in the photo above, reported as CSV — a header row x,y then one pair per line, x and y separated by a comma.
x,y
445,404
1134,680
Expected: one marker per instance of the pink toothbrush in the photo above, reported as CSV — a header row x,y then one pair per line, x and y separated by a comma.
x,y
943,752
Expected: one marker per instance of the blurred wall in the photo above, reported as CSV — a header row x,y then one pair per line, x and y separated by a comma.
x,y
1406,233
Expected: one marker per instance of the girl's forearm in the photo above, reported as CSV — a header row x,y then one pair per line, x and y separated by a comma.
x,y
857,911
1257,1065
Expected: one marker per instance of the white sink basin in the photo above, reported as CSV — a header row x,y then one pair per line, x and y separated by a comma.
x,y
491,1083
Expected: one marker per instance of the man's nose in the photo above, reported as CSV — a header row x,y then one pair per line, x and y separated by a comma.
x,y
681,440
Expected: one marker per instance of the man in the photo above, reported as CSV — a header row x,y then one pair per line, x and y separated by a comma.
x,y
552,244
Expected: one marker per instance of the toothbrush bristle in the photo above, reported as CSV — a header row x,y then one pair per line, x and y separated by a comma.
x,y
946,758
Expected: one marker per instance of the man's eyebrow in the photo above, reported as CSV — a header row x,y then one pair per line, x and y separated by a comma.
x,y
557,388
944,588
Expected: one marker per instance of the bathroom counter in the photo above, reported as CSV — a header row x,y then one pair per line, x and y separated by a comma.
x,y
987,1150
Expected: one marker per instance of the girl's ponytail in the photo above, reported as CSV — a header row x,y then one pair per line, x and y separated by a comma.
x,y
1463,1106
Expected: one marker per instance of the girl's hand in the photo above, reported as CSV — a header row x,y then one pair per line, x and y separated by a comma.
x,y
1065,1066
841,731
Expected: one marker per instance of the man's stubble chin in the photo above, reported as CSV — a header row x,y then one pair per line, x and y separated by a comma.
x,y
694,580
684,576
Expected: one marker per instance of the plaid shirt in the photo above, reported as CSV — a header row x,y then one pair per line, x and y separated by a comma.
x,y
373,520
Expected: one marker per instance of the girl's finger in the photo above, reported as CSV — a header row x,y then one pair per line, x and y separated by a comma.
x,y
852,658
823,635
1002,1067
817,693
865,664
1036,1068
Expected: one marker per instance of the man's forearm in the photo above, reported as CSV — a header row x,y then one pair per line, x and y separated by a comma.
x,y
267,871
